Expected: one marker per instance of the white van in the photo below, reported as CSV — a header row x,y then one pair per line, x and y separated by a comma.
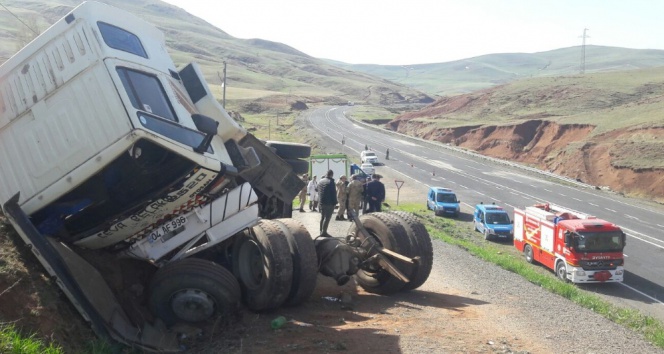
x,y
369,156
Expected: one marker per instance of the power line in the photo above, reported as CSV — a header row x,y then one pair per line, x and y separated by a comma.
x,y
21,21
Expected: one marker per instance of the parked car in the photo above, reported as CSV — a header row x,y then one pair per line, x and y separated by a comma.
x,y
368,168
493,221
368,156
443,201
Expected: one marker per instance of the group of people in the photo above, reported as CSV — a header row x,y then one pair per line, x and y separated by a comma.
x,y
325,194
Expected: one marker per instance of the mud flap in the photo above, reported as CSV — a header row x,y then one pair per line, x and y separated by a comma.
x,y
86,288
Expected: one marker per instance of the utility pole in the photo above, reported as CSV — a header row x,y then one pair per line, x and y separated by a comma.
x,y
223,87
583,51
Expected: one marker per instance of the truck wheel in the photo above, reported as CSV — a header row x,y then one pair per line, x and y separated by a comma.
x,y
193,290
299,166
388,233
305,260
290,150
561,271
528,252
263,265
420,243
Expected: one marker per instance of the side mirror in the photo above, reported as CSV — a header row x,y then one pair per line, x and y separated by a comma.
x,y
624,239
568,239
207,126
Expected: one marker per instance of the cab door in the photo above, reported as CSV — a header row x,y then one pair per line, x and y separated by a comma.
x,y
431,203
479,220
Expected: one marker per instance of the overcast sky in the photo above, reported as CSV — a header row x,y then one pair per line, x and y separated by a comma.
x,y
404,32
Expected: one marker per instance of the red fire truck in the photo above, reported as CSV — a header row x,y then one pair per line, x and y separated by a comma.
x,y
580,248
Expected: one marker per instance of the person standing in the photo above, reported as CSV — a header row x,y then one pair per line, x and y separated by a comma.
x,y
327,194
342,196
355,195
312,190
303,192
387,154
375,193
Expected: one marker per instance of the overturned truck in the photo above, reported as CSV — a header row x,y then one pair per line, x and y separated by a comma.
x,y
149,204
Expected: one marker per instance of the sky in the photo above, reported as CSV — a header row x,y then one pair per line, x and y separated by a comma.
x,y
406,32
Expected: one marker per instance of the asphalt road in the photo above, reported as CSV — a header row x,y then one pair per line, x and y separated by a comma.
x,y
477,179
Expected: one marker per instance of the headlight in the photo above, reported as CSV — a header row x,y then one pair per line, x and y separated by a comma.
x,y
581,273
619,271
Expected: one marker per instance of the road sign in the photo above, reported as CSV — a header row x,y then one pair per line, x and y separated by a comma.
x,y
399,184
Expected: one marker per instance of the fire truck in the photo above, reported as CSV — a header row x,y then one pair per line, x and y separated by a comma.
x,y
580,248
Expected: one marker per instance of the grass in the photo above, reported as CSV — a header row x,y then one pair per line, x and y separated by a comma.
x,y
448,231
11,341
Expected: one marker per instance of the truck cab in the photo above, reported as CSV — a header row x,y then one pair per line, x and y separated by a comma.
x,y
443,201
493,221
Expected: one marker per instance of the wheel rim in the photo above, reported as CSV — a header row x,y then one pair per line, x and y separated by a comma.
x,y
529,253
562,271
192,305
251,268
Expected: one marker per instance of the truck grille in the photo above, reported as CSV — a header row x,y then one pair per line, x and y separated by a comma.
x,y
608,264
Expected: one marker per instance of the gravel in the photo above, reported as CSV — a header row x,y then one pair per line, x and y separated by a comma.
x,y
526,316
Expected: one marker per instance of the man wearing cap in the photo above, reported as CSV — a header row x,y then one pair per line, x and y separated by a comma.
x,y
342,195
327,195
303,192
375,193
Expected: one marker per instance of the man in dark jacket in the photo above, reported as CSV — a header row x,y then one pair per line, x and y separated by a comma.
x,y
375,193
327,198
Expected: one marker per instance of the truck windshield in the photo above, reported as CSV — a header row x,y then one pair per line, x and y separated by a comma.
x,y
605,241
155,112
146,93
497,218
446,198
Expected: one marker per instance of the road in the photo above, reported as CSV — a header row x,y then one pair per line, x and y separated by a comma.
x,y
475,179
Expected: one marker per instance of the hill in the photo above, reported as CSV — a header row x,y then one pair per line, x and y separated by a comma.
x,y
467,75
256,68
605,129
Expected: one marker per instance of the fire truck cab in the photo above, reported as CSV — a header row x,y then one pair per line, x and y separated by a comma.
x,y
580,248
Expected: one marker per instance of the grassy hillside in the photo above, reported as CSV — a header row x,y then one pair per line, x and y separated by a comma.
x,y
604,128
467,75
255,67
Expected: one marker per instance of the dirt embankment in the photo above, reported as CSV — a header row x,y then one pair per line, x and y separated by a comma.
x,y
620,159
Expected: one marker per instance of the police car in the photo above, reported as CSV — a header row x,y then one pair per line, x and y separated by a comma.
x,y
443,201
493,221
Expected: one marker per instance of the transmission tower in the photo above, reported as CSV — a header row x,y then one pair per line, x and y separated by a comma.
x,y
583,50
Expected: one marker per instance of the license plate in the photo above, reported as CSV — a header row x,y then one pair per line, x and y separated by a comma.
x,y
167,228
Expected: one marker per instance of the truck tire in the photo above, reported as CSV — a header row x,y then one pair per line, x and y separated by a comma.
x,y
193,290
290,150
305,260
263,265
420,243
388,233
299,166
561,271
528,252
